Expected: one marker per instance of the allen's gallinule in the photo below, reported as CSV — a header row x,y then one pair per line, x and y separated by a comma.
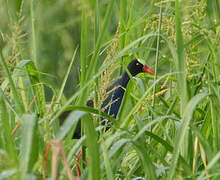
x,y
112,103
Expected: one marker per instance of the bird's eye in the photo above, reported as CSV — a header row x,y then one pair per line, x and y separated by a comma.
x,y
137,64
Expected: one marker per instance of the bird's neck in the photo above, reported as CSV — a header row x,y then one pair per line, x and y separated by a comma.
x,y
125,79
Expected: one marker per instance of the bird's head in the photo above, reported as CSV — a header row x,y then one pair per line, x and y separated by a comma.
x,y
135,67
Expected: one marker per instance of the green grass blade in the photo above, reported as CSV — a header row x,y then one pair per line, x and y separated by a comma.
x,y
97,20
93,148
147,126
147,162
126,104
83,45
2,94
157,54
66,76
214,110
33,33
18,103
10,144
38,88
70,121
180,63
117,146
122,29
29,144
107,163
187,116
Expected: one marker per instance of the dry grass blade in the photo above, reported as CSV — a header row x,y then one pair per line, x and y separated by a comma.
x,y
203,156
55,157
46,154
65,163
19,123
57,152
195,153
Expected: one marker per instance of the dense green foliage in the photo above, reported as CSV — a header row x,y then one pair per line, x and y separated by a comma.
x,y
55,55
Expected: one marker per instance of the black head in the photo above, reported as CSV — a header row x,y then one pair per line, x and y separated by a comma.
x,y
135,67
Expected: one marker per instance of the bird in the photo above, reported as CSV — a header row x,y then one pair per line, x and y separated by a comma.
x,y
112,103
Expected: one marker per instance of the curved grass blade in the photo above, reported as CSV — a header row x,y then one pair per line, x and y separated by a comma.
x,y
70,121
187,116
91,140
7,174
37,87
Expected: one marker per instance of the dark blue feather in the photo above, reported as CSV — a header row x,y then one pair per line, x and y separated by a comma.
x,y
112,103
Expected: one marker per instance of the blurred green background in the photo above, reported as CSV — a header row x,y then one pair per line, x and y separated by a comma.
x,y
58,31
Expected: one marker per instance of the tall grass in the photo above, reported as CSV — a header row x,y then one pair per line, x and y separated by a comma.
x,y
168,124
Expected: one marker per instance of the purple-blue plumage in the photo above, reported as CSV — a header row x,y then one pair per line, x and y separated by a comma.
x,y
112,103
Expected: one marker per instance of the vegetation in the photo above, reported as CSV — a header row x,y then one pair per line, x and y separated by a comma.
x,y
55,55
